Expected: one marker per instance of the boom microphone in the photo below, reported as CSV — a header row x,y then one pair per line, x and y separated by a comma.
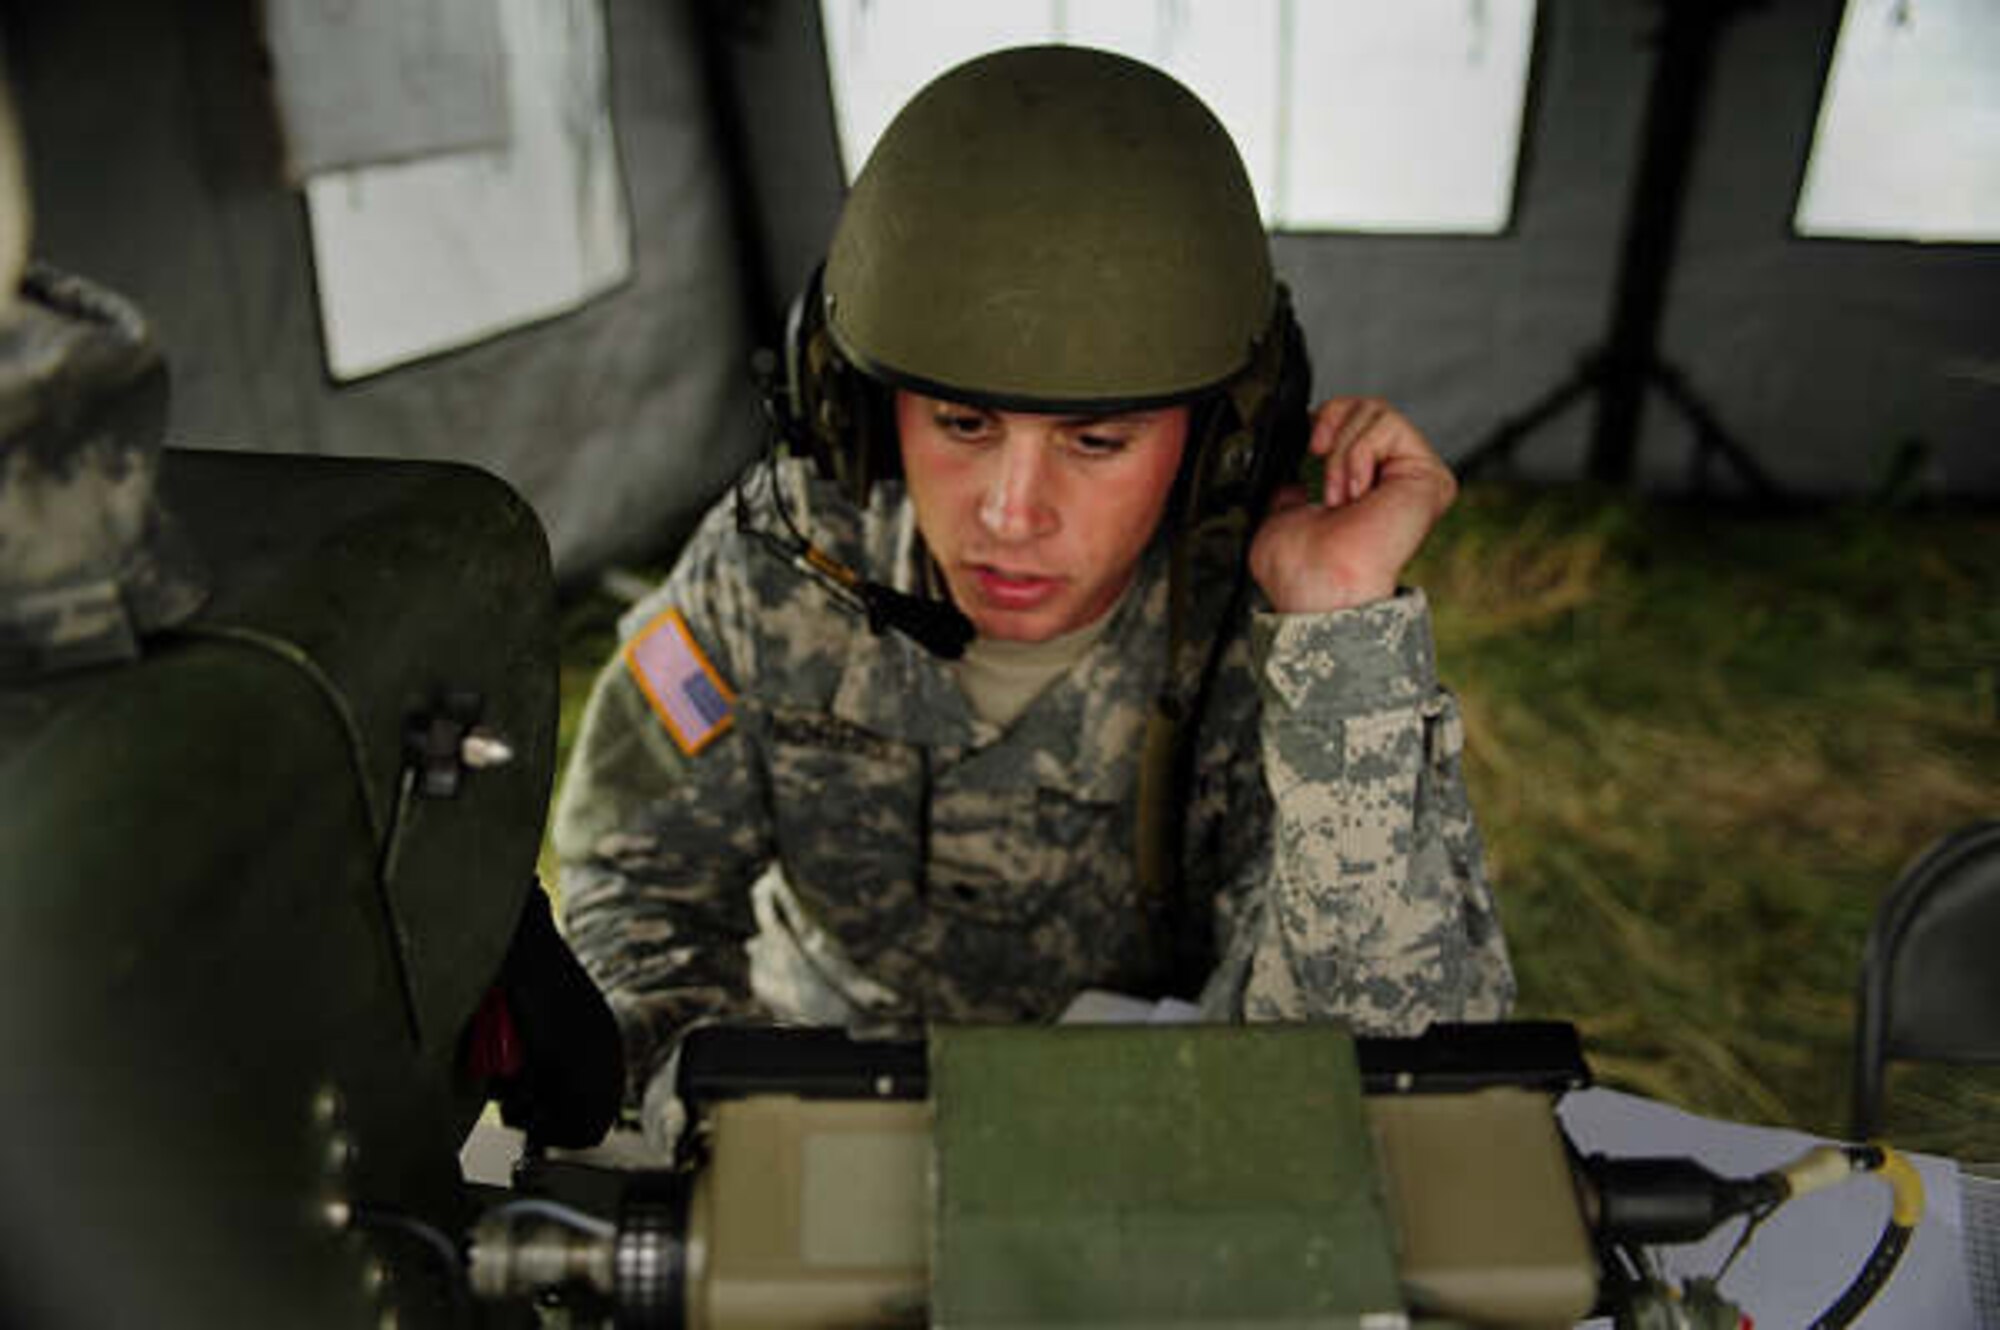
x,y
937,626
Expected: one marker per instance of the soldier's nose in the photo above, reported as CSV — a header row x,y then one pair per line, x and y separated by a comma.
x,y
1016,503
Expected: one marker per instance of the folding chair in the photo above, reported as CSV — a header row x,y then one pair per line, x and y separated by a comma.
x,y
1930,978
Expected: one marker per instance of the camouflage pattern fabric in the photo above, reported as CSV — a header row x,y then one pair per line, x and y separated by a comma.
x,y
907,861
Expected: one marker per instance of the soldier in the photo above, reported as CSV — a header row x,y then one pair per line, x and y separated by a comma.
x,y
1033,398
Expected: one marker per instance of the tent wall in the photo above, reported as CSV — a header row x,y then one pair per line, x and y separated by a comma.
x,y
156,169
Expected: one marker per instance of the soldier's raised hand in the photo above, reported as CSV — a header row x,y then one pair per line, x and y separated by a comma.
x,y
1385,488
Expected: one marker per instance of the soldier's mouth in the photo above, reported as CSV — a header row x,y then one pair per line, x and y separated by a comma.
x,y
1009,590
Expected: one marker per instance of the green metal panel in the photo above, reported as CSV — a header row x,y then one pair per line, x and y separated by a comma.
x,y
191,929
1184,1176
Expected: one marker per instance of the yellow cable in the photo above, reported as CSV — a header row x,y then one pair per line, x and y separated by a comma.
x,y
1906,1185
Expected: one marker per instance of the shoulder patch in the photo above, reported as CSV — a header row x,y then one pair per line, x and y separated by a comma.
x,y
684,689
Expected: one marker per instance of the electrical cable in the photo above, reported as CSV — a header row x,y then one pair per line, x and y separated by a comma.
x,y
1826,1165
937,626
1643,1201
298,658
1750,1226
555,1211
384,830
446,1253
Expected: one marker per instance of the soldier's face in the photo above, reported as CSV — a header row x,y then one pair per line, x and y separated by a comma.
x,y
1037,521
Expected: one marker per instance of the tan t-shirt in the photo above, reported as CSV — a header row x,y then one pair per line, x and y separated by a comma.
x,y
1000,679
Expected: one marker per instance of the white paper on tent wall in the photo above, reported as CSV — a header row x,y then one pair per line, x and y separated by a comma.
x,y
413,258
1349,114
1908,141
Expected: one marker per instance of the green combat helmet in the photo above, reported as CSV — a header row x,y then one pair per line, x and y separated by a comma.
x,y
1052,228
1047,228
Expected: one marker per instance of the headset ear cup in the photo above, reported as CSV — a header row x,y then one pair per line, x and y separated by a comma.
x,y
812,389
840,420
842,416
1277,411
799,414
1254,439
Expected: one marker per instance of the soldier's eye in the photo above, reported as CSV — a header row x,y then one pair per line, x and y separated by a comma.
x,y
1101,444
962,424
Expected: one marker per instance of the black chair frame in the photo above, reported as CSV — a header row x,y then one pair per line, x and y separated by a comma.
x,y
1930,977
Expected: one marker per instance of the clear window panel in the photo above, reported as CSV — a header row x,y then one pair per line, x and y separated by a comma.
x,y
1406,117
1225,52
1908,141
879,52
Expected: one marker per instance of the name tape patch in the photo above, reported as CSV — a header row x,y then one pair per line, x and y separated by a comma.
x,y
684,689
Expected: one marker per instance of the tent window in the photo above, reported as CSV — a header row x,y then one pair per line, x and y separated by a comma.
x,y
1908,141
1351,115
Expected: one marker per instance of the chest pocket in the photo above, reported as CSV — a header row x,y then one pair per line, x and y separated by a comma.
x,y
848,809
1014,858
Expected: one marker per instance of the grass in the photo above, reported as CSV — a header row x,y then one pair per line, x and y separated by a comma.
x,y
1702,744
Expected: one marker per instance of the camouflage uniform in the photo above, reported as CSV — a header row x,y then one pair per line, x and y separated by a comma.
x,y
936,867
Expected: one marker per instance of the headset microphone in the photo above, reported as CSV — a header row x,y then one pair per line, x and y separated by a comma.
x,y
937,626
